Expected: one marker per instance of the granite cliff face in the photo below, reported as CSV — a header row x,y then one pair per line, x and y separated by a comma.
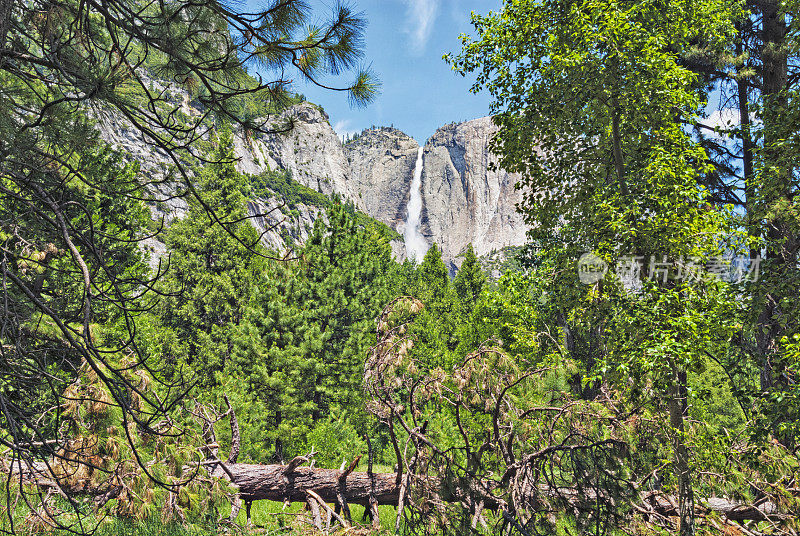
x,y
381,166
279,225
463,202
373,170
309,149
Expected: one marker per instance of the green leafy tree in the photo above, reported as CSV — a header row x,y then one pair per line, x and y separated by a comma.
x,y
347,271
591,98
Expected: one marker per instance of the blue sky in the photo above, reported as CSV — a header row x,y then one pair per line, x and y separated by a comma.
x,y
404,43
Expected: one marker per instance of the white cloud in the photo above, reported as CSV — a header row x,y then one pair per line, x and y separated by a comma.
x,y
421,16
344,128
724,119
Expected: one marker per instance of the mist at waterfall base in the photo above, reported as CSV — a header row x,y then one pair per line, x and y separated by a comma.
x,y
416,245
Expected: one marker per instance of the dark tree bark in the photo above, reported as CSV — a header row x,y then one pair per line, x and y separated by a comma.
x,y
742,87
774,77
5,23
677,405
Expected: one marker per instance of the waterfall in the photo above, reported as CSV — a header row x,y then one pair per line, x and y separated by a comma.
x,y
416,245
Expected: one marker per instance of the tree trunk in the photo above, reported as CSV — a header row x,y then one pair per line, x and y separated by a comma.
x,y
776,180
619,161
677,405
742,85
6,7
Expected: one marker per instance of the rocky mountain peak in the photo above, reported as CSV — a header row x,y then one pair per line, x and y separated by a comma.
x,y
379,135
310,113
463,201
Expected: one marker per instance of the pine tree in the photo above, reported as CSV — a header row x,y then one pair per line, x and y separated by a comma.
x,y
469,279
436,329
433,281
214,266
301,347
347,270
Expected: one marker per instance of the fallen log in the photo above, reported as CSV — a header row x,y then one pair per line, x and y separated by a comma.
x,y
728,508
275,483
738,511
291,483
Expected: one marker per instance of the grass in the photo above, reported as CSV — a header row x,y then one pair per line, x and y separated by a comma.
x,y
148,527
267,517
271,515
24,523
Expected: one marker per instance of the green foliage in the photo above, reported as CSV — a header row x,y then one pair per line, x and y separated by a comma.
x,y
45,320
633,187
608,389
498,262
664,330
432,280
513,314
469,279
251,106
335,440
288,190
781,404
72,220
592,99
713,402
147,467
300,345
215,260
435,331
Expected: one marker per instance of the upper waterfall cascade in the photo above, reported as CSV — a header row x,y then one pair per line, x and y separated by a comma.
x,y
416,245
